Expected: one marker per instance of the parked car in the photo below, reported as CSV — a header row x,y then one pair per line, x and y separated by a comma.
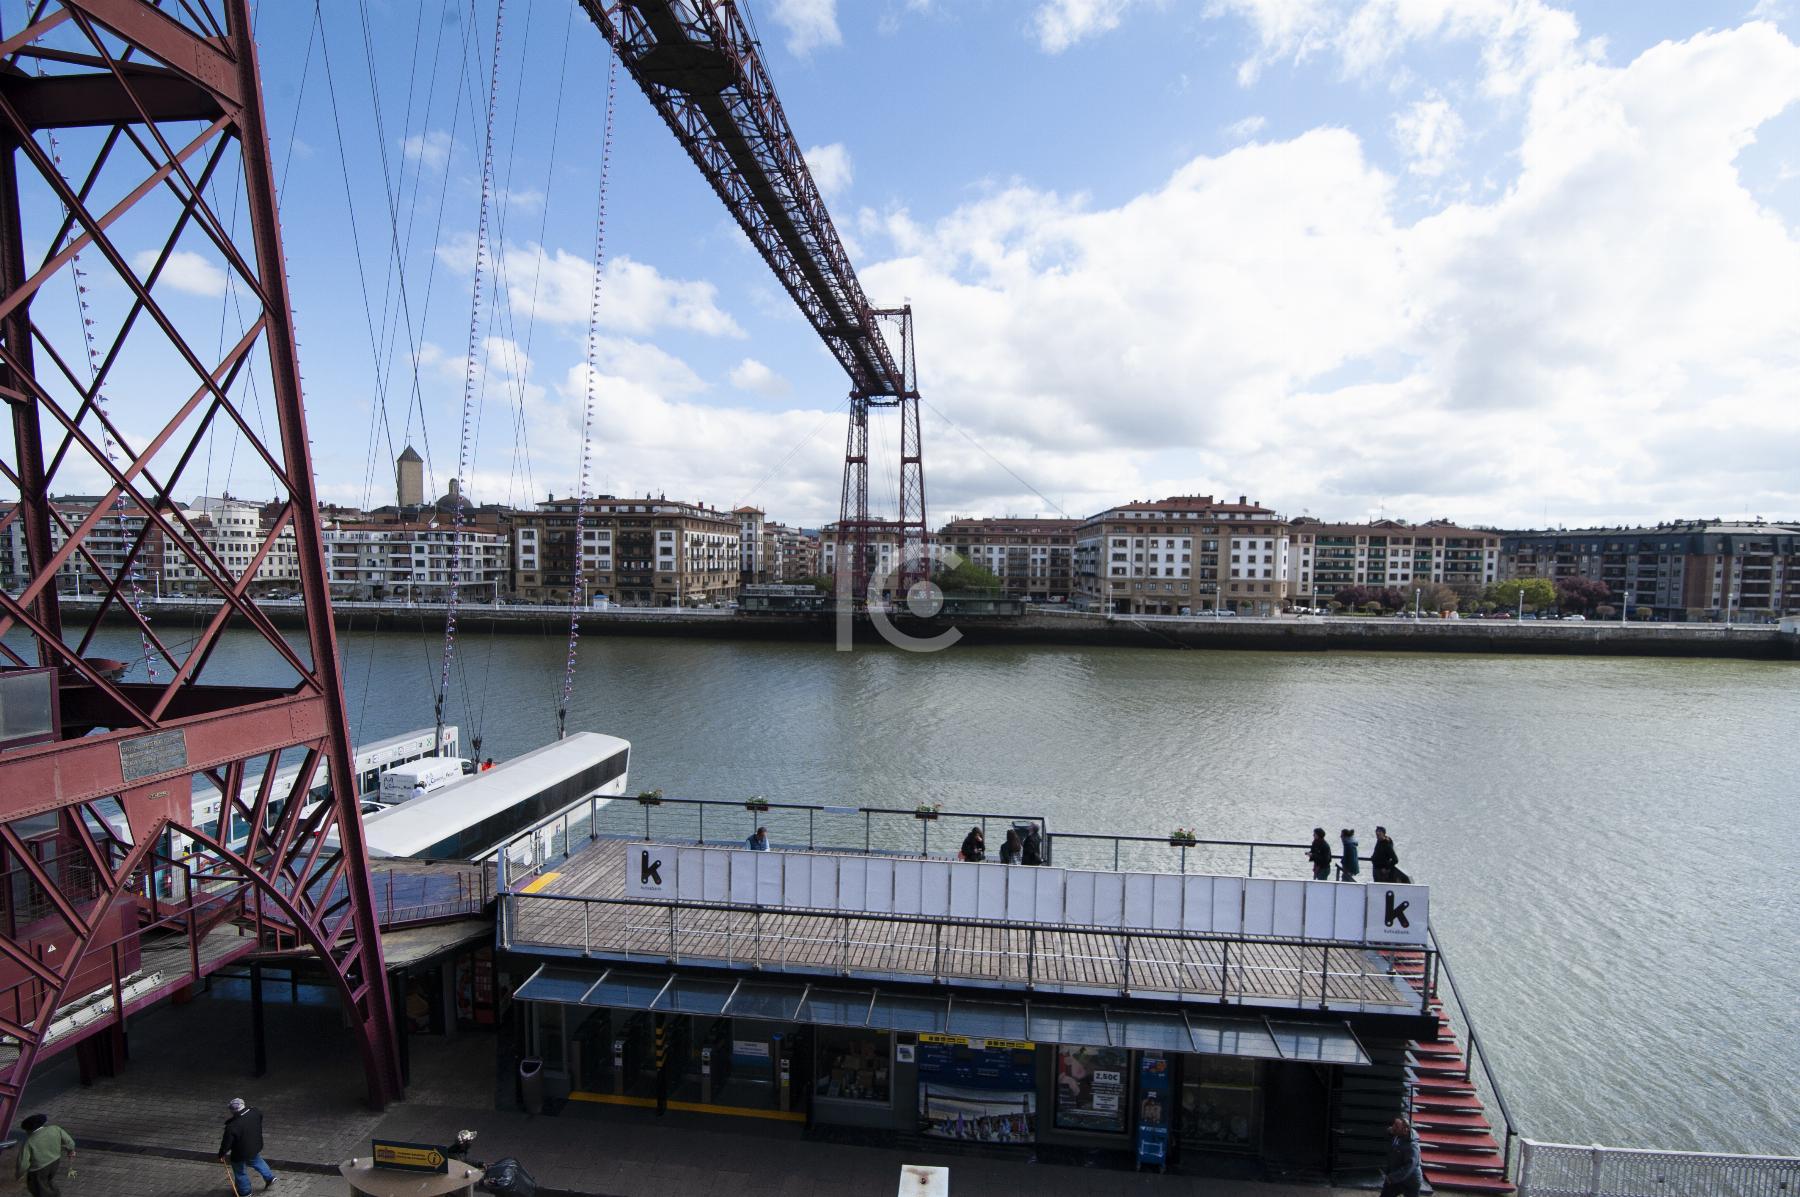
x,y
1575,618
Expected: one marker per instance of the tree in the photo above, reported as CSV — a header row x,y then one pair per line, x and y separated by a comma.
x,y
967,578
1436,596
1581,594
1538,593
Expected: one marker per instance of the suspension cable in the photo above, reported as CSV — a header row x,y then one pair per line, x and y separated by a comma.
x,y
578,590
462,450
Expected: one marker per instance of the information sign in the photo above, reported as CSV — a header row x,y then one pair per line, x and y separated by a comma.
x,y
409,1157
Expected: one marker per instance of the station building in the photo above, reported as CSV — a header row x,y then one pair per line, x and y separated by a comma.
x,y
1252,1023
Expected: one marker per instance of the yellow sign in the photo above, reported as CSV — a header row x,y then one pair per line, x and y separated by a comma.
x,y
995,1045
409,1157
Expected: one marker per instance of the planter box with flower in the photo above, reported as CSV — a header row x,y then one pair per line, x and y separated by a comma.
x,y
1183,837
928,810
756,802
649,797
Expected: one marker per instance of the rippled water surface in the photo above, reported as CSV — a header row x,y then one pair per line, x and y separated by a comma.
x,y
1613,845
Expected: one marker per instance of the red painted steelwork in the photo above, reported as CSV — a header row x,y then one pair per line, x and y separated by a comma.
x,y
156,108
697,62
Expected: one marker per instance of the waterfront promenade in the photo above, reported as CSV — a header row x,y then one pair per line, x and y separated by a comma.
x,y
152,1131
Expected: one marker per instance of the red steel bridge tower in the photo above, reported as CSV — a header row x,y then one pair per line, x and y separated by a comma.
x,y
697,62
128,125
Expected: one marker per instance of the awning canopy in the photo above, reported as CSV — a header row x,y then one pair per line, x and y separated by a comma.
x,y
947,1014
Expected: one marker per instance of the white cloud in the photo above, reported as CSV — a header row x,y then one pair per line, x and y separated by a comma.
x,y
831,167
431,148
752,375
1247,128
1429,134
184,271
1060,24
809,24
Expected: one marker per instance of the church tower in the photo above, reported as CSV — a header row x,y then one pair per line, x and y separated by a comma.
x,y
409,478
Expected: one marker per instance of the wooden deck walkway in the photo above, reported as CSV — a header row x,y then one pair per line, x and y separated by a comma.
x,y
1109,962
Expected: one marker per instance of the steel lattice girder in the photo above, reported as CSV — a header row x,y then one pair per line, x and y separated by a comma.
x,y
125,122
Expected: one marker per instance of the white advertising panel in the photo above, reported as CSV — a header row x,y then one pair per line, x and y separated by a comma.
x,y
1140,891
991,888
1290,909
768,877
824,881
690,874
1228,905
1078,898
934,888
1109,899
1196,903
797,882
964,879
1021,893
879,886
1259,906
853,883
1321,909
908,876
715,886
649,871
743,877
1396,914
1165,902
1049,906
1350,911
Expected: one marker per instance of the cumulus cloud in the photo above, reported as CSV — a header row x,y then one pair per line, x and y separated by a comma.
x,y
1059,24
430,148
809,24
1429,134
752,375
184,271
831,167
1247,128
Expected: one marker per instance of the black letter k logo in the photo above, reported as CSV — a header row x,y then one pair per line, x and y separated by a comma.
x,y
650,873
1395,913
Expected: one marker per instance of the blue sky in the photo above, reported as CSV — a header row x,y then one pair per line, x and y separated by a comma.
x,y
1507,261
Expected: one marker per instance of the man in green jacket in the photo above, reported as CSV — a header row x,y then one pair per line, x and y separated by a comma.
x,y
41,1155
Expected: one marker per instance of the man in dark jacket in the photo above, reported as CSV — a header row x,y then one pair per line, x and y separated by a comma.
x,y
1400,1173
1385,858
242,1146
1320,855
1032,851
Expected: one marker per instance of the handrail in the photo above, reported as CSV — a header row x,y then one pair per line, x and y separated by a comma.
x,y
1581,1171
1474,1050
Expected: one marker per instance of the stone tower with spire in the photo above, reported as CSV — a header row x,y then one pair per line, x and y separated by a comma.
x,y
409,478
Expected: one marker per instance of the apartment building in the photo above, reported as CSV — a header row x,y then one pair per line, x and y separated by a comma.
x,y
753,546
234,531
792,554
884,548
1033,558
416,561
1327,557
1699,569
108,544
648,552
1186,552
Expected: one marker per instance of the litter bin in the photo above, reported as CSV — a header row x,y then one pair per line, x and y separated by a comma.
x,y
531,1084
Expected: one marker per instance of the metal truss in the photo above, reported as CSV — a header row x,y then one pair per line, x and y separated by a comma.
x,y
136,176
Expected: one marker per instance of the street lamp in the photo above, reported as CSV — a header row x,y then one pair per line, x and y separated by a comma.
x,y
1625,608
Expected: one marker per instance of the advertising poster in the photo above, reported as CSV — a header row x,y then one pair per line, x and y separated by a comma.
x,y
977,1063
977,1115
1090,1088
1153,1109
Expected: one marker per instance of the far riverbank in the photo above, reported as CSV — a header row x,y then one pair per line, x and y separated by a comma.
x,y
1277,634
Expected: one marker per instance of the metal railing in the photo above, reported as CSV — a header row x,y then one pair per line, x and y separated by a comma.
x,y
1474,1054
1254,969
1151,853
1568,1170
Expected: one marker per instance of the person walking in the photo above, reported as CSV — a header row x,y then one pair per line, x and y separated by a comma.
x,y
242,1146
1384,861
1012,848
1350,866
974,845
1320,855
758,841
1401,1171
42,1153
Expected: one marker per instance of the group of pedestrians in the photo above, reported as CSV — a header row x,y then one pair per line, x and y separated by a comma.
x,y
1025,848
1384,861
46,1148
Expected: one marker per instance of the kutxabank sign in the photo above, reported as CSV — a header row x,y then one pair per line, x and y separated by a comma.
x,y
1336,911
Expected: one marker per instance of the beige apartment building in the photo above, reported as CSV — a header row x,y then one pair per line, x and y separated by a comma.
x,y
648,552
1327,557
416,561
1033,558
791,554
884,545
1188,553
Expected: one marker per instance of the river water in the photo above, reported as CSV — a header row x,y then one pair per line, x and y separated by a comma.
x,y
1612,844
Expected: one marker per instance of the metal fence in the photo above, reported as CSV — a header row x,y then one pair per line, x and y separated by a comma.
x,y
1568,1170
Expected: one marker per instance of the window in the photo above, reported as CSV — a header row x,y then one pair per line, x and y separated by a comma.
x,y
853,1064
